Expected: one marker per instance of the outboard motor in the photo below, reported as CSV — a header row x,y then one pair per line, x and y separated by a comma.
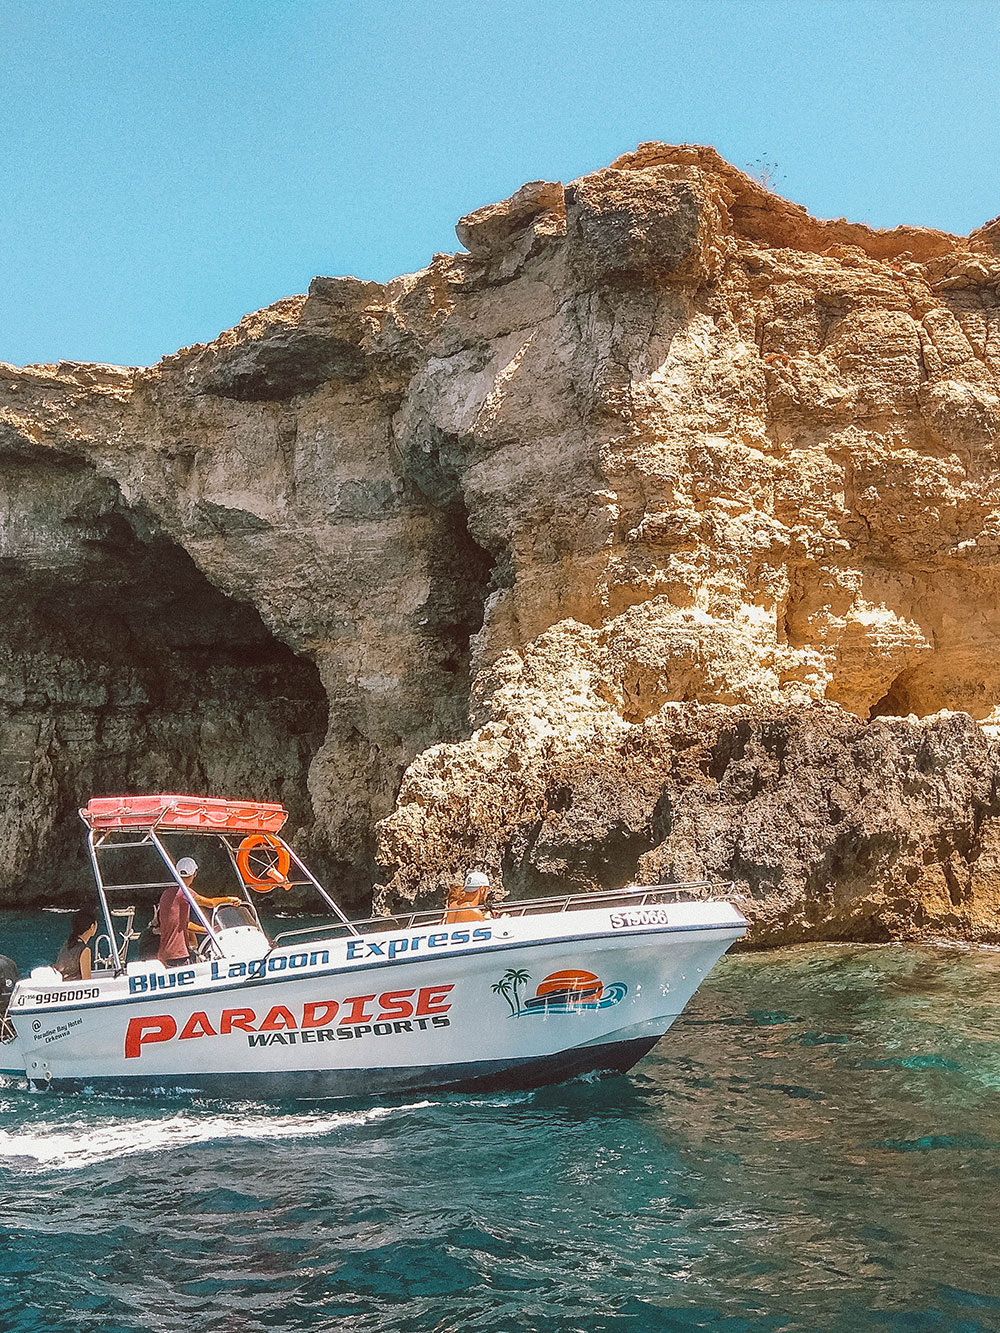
x,y
8,980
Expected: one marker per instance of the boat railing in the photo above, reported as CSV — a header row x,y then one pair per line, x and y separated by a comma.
x,y
642,895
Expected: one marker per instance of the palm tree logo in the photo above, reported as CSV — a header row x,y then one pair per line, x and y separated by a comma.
x,y
508,985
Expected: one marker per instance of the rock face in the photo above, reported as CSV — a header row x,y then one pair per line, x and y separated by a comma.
x,y
658,535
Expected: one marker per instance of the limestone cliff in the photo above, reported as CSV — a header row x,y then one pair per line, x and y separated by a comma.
x,y
656,535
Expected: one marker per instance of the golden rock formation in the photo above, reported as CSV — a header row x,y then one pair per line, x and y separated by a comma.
x,y
657,535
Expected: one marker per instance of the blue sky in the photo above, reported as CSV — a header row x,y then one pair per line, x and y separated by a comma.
x,y
168,165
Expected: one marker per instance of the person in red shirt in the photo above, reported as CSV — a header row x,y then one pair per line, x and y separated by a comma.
x,y
174,914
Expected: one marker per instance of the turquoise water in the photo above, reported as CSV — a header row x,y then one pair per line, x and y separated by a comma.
x,y
815,1146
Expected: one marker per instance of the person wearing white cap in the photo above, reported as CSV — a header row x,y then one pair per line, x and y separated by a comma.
x,y
174,913
465,901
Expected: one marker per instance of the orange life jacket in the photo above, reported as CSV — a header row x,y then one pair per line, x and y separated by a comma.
x,y
464,905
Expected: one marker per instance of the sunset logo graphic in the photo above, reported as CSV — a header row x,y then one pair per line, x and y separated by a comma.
x,y
571,991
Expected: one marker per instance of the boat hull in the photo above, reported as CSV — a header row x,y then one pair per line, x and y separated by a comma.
x,y
519,1007
322,1085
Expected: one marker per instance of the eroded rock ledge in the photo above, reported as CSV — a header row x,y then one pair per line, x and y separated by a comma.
x,y
657,535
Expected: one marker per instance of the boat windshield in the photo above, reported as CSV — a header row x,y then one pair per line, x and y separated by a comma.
x,y
230,916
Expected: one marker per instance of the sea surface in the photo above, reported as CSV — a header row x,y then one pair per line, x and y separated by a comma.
x,y
814,1146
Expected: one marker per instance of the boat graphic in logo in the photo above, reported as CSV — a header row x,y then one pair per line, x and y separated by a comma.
x,y
570,991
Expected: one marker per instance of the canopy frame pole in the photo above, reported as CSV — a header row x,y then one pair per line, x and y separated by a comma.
x,y
340,915
297,860
93,841
224,838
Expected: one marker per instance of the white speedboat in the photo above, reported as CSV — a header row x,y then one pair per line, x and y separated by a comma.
x,y
539,991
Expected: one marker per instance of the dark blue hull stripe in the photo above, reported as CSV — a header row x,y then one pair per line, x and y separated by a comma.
x,y
319,1084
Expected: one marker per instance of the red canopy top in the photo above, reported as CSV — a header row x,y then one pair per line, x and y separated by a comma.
x,y
205,813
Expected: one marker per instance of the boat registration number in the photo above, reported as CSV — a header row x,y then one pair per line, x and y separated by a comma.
x,y
65,996
640,916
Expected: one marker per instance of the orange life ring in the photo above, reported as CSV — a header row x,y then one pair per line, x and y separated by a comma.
x,y
263,862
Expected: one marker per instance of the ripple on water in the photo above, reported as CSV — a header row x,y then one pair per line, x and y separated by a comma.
x,y
814,1147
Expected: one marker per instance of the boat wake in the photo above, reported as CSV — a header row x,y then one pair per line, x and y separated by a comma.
x,y
72,1144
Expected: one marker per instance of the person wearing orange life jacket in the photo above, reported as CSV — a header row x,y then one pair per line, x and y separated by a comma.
x,y
466,901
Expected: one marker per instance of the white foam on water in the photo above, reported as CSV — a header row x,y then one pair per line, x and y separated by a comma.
x,y
79,1144
495,1099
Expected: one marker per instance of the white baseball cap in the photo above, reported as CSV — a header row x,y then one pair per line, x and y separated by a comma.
x,y
187,865
475,879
